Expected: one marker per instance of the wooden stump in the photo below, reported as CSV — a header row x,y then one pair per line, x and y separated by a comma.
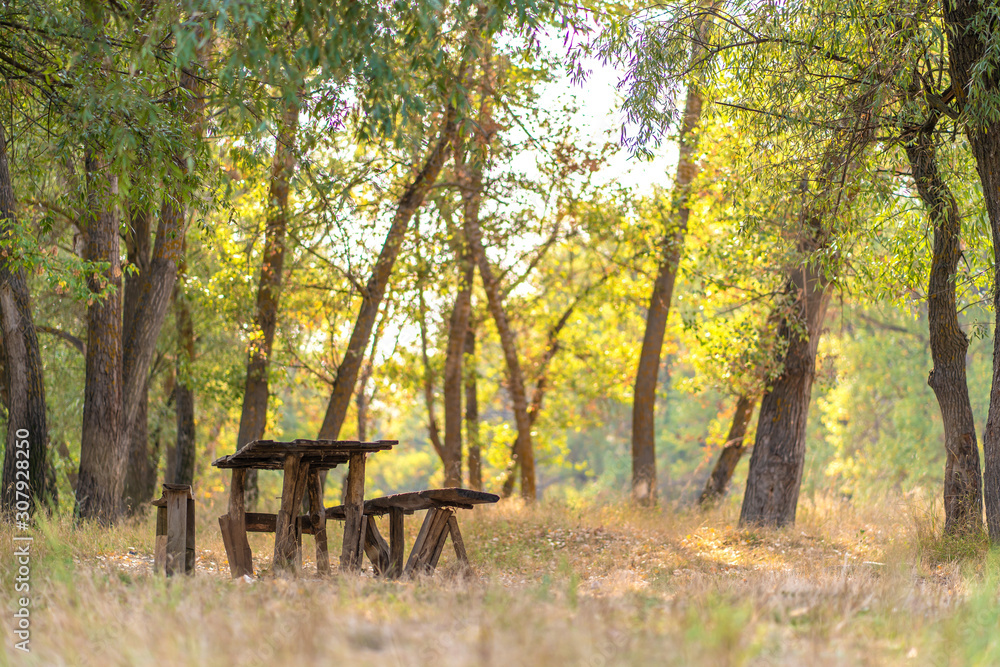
x,y
175,532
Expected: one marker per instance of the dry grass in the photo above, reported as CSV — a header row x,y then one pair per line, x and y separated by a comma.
x,y
552,585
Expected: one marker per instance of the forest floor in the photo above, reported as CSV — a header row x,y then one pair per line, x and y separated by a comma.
x,y
552,585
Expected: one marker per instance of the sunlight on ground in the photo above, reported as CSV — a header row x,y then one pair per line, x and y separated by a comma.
x,y
551,585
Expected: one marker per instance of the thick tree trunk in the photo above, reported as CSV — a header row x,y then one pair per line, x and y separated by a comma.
x,y
103,453
772,491
731,453
183,393
647,373
26,452
147,298
967,28
253,420
371,299
963,501
472,411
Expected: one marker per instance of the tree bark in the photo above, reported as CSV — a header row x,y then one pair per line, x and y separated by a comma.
x,y
148,295
472,411
671,247
967,49
103,450
731,453
470,178
772,491
552,347
24,388
963,502
183,392
253,420
515,378
371,299
363,402
432,427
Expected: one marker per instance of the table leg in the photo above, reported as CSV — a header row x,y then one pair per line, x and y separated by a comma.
x,y
293,487
318,520
234,527
354,507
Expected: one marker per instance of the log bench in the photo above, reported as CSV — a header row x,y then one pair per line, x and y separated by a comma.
x,y
439,523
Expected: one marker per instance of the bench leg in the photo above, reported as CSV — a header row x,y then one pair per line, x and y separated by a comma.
x,y
376,547
427,548
396,545
234,528
354,501
457,541
318,518
286,532
439,543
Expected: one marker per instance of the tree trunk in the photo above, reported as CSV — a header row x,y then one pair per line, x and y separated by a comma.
x,y
470,178
364,399
147,297
772,491
432,427
552,347
183,393
647,373
371,299
731,454
515,378
363,402
253,420
27,429
103,453
472,412
963,502
967,49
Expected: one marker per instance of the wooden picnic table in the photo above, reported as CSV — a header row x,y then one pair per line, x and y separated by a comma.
x,y
302,461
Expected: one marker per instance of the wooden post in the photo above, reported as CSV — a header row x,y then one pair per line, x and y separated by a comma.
x,y
318,520
160,547
234,528
286,525
190,554
354,505
396,546
176,530
175,548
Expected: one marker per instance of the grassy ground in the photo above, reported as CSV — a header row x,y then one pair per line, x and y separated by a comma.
x,y
551,585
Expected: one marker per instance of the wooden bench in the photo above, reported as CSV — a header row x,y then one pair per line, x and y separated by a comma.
x,y
439,523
